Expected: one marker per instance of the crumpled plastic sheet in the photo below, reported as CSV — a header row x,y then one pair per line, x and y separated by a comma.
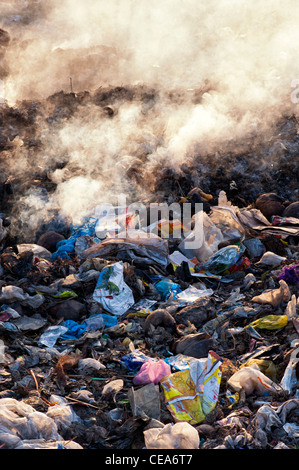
x,y
21,426
15,293
134,246
268,417
62,413
172,436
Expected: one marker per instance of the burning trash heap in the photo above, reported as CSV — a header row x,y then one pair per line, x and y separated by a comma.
x,y
134,330
148,277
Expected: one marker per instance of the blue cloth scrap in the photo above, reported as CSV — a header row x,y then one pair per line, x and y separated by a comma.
x,y
64,247
75,330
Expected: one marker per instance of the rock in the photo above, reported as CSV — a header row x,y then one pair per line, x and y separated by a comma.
x,y
68,310
270,204
205,430
292,210
196,313
157,318
195,345
49,240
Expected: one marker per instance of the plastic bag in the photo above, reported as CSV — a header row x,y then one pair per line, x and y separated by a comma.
x,y
290,379
74,330
133,245
225,218
266,366
271,259
20,421
37,250
151,372
204,239
251,379
62,414
89,365
51,335
224,258
189,295
99,321
191,394
65,247
168,288
111,290
172,436
145,401
270,322
134,360
14,293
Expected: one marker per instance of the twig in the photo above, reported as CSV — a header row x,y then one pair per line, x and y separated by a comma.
x,y
38,391
83,402
35,381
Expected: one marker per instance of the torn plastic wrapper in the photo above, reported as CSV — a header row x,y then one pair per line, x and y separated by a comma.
x,y
189,295
224,258
192,394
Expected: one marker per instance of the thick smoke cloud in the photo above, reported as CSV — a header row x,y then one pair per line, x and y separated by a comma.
x,y
237,57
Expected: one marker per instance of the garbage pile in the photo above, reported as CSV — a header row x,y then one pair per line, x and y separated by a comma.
x,y
117,337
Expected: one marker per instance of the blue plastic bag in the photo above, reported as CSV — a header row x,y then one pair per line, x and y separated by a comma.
x,y
75,330
64,247
167,287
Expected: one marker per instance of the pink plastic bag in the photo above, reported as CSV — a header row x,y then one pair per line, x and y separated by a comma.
x,y
151,372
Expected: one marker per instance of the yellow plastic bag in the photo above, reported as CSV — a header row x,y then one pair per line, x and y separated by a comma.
x,y
270,322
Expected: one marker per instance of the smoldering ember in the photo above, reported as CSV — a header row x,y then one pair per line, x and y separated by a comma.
x,y
149,225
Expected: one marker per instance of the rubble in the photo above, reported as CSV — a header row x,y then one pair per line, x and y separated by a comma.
x,y
114,336
88,369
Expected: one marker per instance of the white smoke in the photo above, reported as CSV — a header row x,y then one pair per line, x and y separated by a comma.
x,y
240,56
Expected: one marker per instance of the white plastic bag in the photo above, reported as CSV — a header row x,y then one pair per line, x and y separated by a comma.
x,y
251,379
19,421
111,290
61,413
289,379
37,250
204,239
172,436
271,259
